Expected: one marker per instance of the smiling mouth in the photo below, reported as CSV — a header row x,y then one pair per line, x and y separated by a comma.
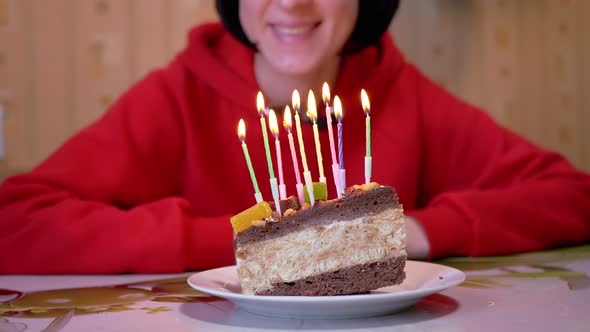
x,y
294,30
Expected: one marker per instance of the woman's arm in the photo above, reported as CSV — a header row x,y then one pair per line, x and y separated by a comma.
x,y
106,201
487,191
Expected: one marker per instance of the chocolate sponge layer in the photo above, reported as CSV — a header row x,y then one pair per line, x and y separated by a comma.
x,y
354,205
351,280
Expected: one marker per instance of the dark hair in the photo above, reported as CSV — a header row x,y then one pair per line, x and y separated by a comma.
x,y
373,20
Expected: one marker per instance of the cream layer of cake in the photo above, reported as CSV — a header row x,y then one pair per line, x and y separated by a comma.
x,y
322,249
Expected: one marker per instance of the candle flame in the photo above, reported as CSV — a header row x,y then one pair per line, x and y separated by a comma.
x,y
242,130
326,93
365,102
296,101
273,123
312,111
338,108
260,103
287,119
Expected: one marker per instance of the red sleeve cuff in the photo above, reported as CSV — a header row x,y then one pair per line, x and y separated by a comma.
x,y
448,231
210,243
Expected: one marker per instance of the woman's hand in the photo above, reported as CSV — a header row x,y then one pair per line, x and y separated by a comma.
x,y
417,245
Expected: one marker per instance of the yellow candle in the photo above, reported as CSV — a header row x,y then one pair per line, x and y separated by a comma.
x,y
306,172
313,114
367,109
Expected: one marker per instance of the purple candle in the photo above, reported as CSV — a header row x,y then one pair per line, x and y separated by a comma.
x,y
338,113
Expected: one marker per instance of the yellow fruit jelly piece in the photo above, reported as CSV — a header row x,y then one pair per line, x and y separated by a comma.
x,y
320,192
243,220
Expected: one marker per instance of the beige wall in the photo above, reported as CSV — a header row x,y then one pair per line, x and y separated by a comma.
x,y
62,62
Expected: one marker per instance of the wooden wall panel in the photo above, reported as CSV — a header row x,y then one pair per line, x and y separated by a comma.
x,y
150,21
16,85
63,62
529,42
562,90
583,74
52,57
103,66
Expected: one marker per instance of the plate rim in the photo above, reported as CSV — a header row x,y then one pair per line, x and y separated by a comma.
x,y
459,277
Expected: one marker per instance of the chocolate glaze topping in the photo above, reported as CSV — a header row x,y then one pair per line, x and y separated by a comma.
x,y
354,204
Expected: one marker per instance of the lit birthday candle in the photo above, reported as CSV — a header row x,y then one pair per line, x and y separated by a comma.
x,y
338,113
287,123
368,158
274,129
242,136
335,167
273,180
312,112
306,173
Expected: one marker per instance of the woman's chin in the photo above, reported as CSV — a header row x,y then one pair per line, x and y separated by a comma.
x,y
295,67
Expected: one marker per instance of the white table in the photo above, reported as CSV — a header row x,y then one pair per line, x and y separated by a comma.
x,y
543,291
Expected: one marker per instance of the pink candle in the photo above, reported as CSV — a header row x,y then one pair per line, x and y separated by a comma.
x,y
335,167
338,113
326,99
287,123
294,158
274,129
368,158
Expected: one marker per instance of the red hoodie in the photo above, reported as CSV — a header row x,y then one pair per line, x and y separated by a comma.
x,y
151,185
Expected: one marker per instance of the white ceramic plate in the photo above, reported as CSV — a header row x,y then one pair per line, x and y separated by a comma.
x,y
422,279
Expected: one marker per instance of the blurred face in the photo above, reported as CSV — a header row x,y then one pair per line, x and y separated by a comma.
x,y
298,36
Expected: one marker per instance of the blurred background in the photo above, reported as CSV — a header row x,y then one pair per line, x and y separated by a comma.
x,y
63,62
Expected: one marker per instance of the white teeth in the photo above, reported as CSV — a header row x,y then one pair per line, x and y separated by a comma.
x,y
293,31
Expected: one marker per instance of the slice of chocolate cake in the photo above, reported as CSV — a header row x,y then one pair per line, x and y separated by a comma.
x,y
346,246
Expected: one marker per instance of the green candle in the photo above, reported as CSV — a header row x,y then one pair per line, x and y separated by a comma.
x,y
242,136
267,147
250,168
260,104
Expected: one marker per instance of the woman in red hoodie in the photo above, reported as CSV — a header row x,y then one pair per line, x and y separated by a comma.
x,y
151,185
